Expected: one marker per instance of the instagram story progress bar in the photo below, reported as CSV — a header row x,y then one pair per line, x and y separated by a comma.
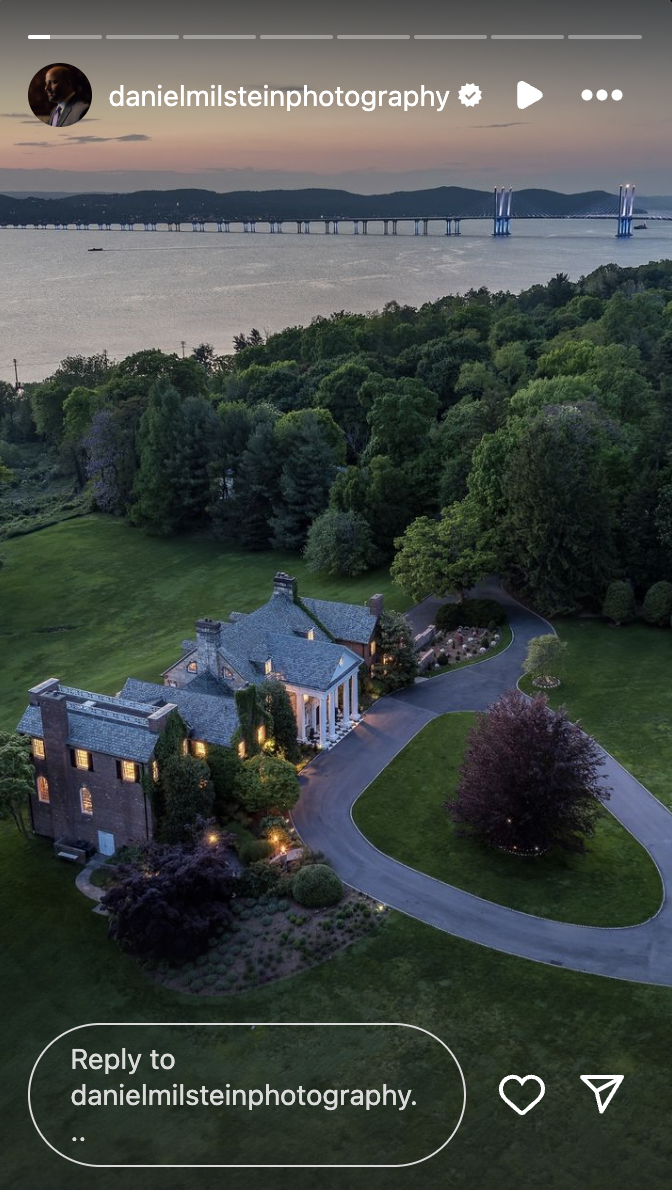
x,y
335,36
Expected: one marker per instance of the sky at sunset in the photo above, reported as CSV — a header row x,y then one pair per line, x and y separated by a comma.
x,y
562,142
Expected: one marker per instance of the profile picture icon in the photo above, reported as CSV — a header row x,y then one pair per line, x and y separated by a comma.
x,y
59,95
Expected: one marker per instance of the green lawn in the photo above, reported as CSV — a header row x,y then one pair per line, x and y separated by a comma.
x,y
498,1014
619,684
93,601
402,814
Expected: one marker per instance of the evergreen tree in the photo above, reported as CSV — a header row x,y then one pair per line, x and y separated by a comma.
x,y
396,663
191,466
157,502
256,489
308,469
657,606
619,602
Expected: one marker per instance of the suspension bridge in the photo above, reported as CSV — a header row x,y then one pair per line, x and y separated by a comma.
x,y
621,211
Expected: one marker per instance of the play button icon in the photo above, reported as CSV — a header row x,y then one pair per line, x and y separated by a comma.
x,y
527,94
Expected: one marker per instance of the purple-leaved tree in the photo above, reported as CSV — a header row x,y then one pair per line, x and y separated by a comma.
x,y
530,779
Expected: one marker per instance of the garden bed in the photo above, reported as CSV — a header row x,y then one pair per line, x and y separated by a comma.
x,y
271,939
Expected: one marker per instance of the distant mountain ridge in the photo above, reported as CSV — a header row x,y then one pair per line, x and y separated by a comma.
x,y
162,206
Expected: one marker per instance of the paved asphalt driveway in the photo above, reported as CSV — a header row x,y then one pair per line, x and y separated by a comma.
x,y
335,779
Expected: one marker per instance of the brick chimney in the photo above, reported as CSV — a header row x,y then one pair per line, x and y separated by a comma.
x,y
207,640
376,605
158,719
284,585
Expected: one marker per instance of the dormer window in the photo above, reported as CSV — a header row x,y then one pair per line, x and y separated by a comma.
x,y
311,634
268,666
193,667
81,759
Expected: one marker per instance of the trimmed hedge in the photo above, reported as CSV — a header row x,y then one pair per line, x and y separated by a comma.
x,y
474,613
657,607
315,886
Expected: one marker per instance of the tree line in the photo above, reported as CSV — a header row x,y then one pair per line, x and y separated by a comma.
x,y
529,434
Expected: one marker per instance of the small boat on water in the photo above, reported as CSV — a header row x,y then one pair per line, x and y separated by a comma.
x,y
641,227
94,249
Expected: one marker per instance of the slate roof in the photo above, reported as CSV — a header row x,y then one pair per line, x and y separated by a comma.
x,y
245,643
210,717
345,621
312,663
97,733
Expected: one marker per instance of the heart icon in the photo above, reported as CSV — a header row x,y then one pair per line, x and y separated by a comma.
x,y
514,1078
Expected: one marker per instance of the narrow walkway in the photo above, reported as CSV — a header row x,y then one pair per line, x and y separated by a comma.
x,y
332,784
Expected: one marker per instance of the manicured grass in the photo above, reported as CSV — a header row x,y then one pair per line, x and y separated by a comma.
x,y
93,602
619,684
499,1015
402,813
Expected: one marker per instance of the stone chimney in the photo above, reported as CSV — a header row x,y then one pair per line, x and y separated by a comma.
x,y
376,605
284,585
207,640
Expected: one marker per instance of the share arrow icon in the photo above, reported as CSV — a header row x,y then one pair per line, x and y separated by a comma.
x,y
604,1087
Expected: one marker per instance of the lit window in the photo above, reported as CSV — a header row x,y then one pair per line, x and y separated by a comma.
x,y
82,759
228,673
129,771
311,634
155,770
193,667
43,790
242,750
268,667
185,747
199,749
373,648
38,749
85,800
261,734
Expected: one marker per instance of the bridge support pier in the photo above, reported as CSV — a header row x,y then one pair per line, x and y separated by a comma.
x,y
365,226
449,227
416,227
458,227
502,216
355,227
626,206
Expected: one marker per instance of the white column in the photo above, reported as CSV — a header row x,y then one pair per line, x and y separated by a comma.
x,y
300,716
323,721
332,715
313,713
346,702
354,694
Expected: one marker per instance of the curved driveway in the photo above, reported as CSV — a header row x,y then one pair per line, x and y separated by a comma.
x,y
335,779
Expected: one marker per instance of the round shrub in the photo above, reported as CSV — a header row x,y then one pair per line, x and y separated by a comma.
x,y
255,849
619,602
316,886
657,606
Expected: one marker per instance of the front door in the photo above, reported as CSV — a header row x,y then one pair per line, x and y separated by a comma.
x,y
106,843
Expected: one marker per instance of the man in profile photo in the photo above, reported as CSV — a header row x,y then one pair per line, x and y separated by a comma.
x,y
60,89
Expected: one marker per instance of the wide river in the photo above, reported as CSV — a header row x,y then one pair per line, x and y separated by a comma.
x,y
158,289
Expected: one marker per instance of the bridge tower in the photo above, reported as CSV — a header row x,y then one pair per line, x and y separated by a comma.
x,y
502,219
626,206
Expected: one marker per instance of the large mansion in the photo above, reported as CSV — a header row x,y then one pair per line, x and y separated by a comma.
x,y
91,751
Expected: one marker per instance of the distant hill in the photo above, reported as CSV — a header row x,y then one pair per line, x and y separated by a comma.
x,y
161,206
